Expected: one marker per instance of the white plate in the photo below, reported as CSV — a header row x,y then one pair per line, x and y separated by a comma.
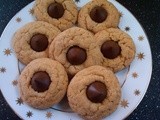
x,y
134,80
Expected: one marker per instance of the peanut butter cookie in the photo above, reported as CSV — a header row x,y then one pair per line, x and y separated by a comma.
x,y
98,15
43,83
94,93
60,13
32,41
116,48
75,49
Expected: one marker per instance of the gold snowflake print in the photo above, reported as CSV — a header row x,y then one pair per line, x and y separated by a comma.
x,y
124,103
48,115
141,38
29,114
31,11
7,52
137,92
121,14
19,101
140,56
2,70
127,28
14,82
18,19
134,75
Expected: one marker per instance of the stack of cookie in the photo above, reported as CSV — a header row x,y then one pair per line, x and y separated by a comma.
x,y
79,60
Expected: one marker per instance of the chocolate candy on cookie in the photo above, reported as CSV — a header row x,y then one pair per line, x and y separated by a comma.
x,y
116,48
75,48
55,10
60,13
110,49
94,93
40,81
32,41
39,42
43,83
76,55
98,15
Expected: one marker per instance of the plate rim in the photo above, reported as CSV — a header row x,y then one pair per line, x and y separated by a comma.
x,y
151,65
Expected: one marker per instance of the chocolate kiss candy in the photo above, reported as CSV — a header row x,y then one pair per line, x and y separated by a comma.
x,y
40,81
39,42
76,55
96,92
110,49
98,14
56,10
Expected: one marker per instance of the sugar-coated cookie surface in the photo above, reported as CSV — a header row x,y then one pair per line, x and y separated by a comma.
x,y
60,13
32,41
86,93
116,48
34,87
98,15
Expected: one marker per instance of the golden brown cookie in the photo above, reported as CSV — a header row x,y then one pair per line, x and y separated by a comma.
x,y
116,48
94,93
32,41
75,49
43,83
60,13
98,15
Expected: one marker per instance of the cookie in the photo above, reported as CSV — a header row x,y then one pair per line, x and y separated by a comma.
x,y
75,49
32,41
43,83
98,15
116,48
94,93
60,13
